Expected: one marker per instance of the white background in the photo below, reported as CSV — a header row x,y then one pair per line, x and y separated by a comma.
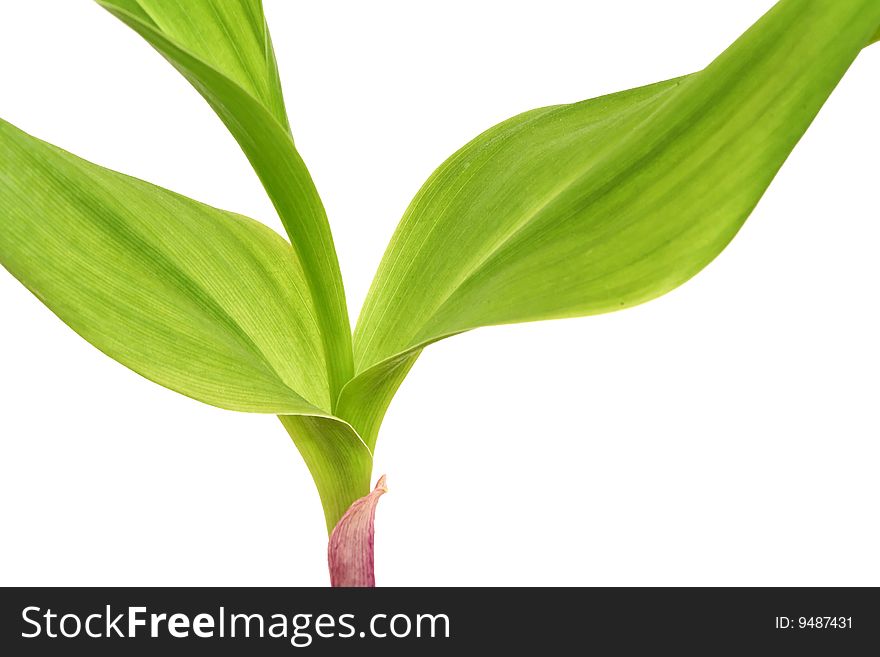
x,y
725,434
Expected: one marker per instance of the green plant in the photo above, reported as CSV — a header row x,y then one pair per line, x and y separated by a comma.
x,y
558,212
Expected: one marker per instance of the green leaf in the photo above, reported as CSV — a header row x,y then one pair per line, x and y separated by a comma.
x,y
601,205
224,50
205,302
230,36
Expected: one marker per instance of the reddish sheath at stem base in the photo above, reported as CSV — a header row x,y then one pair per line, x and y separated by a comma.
x,y
350,552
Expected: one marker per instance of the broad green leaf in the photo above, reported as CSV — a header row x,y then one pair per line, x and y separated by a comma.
x,y
224,50
205,302
601,205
